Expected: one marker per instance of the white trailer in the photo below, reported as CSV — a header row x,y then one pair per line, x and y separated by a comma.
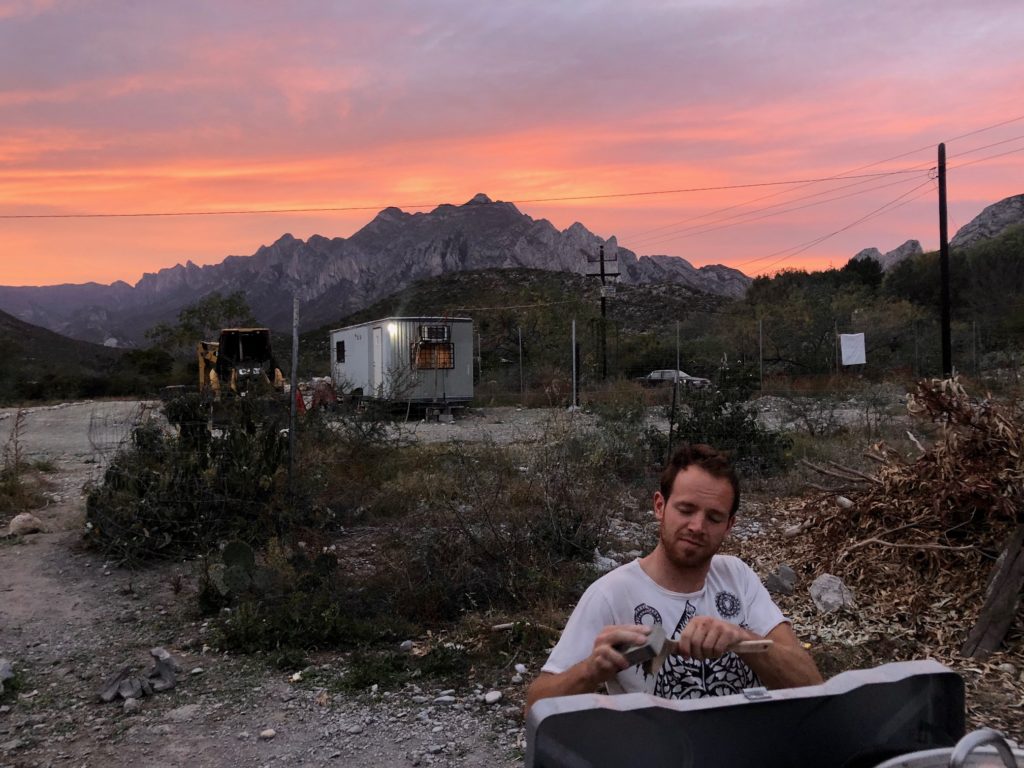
x,y
423,360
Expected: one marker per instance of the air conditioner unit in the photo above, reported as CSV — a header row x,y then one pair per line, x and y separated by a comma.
x,y
435,333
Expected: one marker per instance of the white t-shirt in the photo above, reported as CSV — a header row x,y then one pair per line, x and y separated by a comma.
x,y
627,595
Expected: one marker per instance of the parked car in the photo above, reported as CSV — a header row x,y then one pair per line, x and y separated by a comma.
x,y
666,377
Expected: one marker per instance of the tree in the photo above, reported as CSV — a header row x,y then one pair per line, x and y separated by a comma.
x,y
202,320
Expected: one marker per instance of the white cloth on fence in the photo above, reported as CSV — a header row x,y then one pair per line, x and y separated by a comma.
x,y
852,345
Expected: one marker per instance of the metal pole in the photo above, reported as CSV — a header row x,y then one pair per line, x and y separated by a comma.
x,y
573,363
835,331
974,344
522,386
604,334
947,348
294,391
760,349
479,358
917,358
677,348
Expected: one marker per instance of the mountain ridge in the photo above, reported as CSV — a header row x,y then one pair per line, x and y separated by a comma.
x,y
335,276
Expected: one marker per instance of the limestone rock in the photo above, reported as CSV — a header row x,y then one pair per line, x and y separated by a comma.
x,y
24,524
990,223
830,594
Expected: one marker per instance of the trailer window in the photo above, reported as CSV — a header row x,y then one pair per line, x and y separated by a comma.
x,y
339,352
433,356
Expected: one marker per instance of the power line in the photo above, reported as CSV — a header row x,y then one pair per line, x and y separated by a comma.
x,y
706,227
801,248
850,171
337,209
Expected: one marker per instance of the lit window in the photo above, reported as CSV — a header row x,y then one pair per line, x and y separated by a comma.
x,y
433,356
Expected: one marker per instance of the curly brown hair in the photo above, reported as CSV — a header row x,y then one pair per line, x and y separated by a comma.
x,y
712,461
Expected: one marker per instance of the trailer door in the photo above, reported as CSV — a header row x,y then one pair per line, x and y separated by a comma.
x,y
377,363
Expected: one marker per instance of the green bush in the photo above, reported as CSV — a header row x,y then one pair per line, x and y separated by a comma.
x,y
170,494
712,416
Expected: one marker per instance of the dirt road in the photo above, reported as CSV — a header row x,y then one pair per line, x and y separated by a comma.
x,y
68,620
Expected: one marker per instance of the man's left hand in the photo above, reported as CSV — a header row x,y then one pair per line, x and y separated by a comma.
x,y
706,637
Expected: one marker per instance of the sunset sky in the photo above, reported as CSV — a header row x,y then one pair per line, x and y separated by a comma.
x,y
192,106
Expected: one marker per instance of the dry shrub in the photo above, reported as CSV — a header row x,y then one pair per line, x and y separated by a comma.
x,y
500,528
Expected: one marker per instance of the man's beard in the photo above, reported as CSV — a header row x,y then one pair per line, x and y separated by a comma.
x,y
693,558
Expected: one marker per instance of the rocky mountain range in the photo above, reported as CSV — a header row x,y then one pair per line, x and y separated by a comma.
x,y
991,222
336,276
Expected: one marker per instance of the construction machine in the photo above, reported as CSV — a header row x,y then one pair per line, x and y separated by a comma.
x,y
240,361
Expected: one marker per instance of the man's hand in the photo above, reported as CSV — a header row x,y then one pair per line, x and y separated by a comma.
x,y
706,637
604,662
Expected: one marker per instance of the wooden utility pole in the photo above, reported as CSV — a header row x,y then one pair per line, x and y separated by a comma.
x,y
947,351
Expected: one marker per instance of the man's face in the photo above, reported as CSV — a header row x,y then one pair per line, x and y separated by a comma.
x,y
694,519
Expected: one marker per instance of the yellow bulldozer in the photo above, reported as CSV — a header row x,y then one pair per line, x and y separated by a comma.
x,y
239,362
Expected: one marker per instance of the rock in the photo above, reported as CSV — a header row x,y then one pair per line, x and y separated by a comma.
x,y
24,524
830,594
990,223
132,706
164,672
268,734
406,646
10,746
242,736
130,688
844,502
109,690
1008,668
354,730
444,700
603,564
777,585
793,531
782,581
162,654
197,671
517,679
520,669
6,672
492,697
183,713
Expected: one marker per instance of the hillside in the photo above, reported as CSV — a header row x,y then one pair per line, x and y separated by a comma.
x,y
34,357
542,304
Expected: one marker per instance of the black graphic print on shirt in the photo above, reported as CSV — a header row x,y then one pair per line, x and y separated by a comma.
x,y
682,678
646,614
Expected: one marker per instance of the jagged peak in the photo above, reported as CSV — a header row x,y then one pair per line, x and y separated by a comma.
x,y
479,199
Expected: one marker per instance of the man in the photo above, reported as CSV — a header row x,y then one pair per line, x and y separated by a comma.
x,y
705,600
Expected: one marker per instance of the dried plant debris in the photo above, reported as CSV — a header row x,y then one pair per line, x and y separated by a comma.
x,y
917,542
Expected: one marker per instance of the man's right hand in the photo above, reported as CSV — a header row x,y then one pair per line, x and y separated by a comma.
x,y
607,660
604,662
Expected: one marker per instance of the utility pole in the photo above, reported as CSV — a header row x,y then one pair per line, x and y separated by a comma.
x,y
947,351
606,290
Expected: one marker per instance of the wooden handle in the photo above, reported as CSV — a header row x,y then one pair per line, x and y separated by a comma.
x,y
751,646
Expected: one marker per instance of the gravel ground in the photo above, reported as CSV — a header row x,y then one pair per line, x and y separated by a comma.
x,y
68,621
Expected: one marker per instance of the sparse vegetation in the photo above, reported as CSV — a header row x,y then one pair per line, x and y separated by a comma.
x,y
21,484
